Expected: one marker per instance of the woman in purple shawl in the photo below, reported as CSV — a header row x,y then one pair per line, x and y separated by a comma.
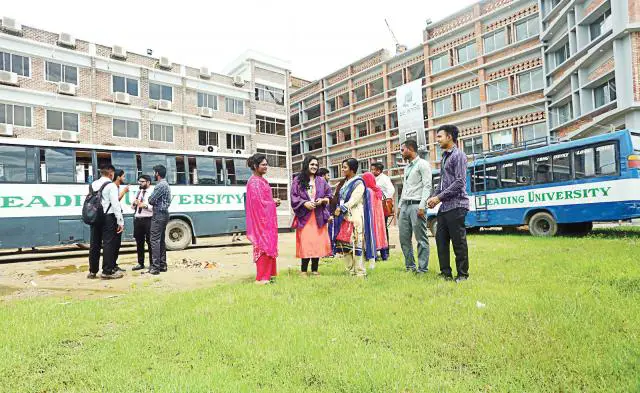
x,y
310,197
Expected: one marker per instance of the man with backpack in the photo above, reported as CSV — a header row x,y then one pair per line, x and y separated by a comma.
x,y
102,211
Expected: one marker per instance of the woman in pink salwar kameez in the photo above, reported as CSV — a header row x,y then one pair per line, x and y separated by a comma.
x,y
262,222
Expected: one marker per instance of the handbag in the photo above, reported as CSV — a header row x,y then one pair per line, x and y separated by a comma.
x,y
387,206
345,234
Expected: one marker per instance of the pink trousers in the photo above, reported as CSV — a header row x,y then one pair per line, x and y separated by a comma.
x,y
266,268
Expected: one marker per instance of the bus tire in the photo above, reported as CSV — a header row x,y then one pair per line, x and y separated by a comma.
x,y
433,226
178,235
543,224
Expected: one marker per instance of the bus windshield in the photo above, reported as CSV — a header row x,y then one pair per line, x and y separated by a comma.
x,y
635,140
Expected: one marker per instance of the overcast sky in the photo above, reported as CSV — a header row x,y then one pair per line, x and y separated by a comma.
x,y
315,37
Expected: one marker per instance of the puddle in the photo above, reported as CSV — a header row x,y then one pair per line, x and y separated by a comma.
x,y
6,291
63,270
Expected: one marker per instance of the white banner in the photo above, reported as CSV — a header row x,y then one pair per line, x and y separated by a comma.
x,y
410,113
38,200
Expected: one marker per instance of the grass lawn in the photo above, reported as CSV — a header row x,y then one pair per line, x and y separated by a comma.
x,y
559,315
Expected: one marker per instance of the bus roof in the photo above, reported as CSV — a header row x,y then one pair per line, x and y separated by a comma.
x,y
80,146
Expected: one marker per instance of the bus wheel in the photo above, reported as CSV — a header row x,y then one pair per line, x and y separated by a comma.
x,y
433,227
543,224
178,235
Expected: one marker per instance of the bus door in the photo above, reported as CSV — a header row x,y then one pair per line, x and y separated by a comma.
x,y
478,178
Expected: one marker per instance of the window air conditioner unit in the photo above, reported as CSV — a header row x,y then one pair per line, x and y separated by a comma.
x,y
205,112
6,129
204,73
67,89
607,25
118,52
8,78
11,25
66,39
211,149
164,105
238,81
238,151
122,98
69,136
165,63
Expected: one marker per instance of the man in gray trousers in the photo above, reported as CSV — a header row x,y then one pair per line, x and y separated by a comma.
x,y
160,199
416,190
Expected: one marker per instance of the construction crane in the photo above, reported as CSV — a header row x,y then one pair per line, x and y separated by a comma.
x,y
399,47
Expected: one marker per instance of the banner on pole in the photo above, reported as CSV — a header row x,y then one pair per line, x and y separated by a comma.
x,y
410,113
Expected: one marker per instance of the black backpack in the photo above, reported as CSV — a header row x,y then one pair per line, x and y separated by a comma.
x,y
92,211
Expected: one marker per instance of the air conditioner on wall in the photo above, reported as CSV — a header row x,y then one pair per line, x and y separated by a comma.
x,y
205,112
238,80
204,73
165,63
164,105
118,52
67,89
122,98
8,78
6,129
11,25
211,149
238,151
66,39
69,136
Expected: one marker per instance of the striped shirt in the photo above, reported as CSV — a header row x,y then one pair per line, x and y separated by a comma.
x,y
453,180
160,198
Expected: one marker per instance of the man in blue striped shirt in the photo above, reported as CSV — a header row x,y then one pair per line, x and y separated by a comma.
x,y
160,199
452,194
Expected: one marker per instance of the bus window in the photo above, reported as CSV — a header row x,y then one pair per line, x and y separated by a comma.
x,y
148,161
606,160
584,162
542,169
523,172
127,162
180,171
84,167
57,165
220,169
491,174
202,170
104,158
170,164
16,164
508,175
237,172
561,167
477,180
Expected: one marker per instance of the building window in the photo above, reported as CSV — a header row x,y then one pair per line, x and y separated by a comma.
x,y
280,191
233,105
161,133
364,166
442,106
60,121
275,158
393,119
395,79
269,94
561,55
533,133
207,101
314,144
501,140
601,25
562,114
235,142
527,29
495,41
295,149
415,71
160,92
15,63
270,125
361,130
15,114
207,138
472,145
295,120
498,90
440,63
56,72
469,99
604,93
531,80
360,93
466,53
123,84
126,128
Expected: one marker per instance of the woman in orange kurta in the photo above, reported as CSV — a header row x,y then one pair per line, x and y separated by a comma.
x,y
378,213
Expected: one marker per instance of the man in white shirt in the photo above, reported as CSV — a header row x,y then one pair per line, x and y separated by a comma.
x,y
104,236
388,190
142,221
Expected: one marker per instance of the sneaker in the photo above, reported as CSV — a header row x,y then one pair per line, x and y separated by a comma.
x,y
153,271
461,278
446,277
137,267
92,276
163,269
111,276
118,269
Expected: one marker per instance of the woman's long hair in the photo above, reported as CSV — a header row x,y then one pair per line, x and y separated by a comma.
x,y
303,176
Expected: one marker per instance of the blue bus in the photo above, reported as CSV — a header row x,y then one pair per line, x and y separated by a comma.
x,y
43,186
556,188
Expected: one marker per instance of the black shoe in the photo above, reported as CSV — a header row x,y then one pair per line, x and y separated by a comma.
x,y
137,267
447,277
163,269
92,276
461,278
155,272
111,276
118,269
